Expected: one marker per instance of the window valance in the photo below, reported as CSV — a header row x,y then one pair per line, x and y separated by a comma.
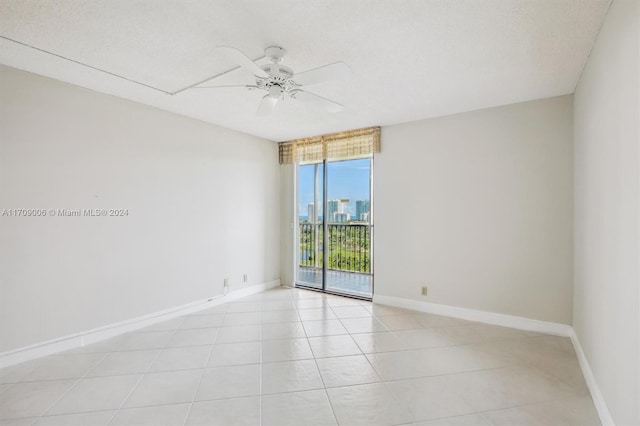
x,y
335,146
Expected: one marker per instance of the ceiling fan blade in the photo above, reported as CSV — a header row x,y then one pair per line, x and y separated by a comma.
x,y
242,60
318,75
226,87
267,106
312,98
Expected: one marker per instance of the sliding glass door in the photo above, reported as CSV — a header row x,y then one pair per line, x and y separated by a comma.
x,y
335,249
310,270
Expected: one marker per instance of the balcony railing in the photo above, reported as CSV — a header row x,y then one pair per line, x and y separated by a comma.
x,y
349,246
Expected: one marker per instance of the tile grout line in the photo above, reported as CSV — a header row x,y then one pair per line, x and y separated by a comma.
x,y
115,413
70,387
204,371
326,392
483,412
384,384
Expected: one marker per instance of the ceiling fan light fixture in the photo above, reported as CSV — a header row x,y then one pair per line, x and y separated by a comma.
x,y
275,91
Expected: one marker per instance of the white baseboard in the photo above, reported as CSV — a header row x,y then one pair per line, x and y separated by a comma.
x,y
102,333
511,321
592,384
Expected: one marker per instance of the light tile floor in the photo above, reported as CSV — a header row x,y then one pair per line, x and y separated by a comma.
x,y
296,357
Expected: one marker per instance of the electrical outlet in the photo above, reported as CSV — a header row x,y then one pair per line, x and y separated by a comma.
x,y
226,282
424,290
244,277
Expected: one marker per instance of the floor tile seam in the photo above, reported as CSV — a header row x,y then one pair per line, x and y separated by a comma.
x,y
571,387
104,355
11,419
82,377
484,412
177,370
282,338
372,366
293,391
304,329
399,401
343,326
69,388
425,348
57,399
374,382
324,387
471,323
36,418
441,374
543,401
428,347
448,374
304,358
8,386
427,327
195,392
342,356
154,348
559,355
115,410
117,350
43,359
135,387
20,375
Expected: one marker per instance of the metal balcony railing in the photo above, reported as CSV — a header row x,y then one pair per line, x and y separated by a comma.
x,y
348,246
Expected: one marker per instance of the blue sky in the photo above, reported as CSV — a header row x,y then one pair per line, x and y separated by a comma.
x,y
347,179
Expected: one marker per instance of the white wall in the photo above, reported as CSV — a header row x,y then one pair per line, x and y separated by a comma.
x,y
287,223
478,207
203,205
607,213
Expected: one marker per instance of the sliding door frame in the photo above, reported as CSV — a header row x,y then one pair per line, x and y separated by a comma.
x,y
325,227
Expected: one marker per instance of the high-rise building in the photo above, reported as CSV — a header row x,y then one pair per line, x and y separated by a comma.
x,y
311,213
332,209
362,210
335,208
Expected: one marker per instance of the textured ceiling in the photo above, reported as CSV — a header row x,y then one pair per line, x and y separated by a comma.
x,y
411,59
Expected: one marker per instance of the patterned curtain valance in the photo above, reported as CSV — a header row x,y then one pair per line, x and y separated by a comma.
x,y
335,146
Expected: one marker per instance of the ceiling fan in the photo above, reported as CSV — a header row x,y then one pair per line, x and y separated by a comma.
x,y
280,82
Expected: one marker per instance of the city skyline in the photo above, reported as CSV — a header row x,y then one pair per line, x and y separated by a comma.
x,y
346,180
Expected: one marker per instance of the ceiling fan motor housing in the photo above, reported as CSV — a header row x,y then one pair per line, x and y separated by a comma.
x,y
279,79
